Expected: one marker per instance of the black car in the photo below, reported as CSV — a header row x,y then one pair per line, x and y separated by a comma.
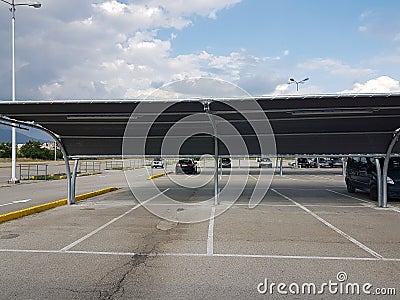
x,y
361,174
225,163
335,162
186,166
304,162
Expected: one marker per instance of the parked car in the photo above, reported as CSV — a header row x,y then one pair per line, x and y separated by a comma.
x,y
361,174
186,166
265,163
304,162
335,162
323,163
225,163
157,163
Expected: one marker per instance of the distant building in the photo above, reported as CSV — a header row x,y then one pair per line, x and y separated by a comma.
x,y
48,145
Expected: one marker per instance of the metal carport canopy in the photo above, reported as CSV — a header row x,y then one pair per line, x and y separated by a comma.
x,y
302,125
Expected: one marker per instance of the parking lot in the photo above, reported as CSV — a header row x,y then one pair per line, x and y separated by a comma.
x,y
307,229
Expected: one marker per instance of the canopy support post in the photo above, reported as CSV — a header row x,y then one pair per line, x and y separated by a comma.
x,y
11,122
379,181
207,110
395,138
216,180
73,182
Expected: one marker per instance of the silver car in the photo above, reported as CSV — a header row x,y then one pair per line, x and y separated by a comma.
x,y
265,163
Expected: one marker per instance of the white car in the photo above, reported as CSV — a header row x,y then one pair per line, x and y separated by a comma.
x,y
157,163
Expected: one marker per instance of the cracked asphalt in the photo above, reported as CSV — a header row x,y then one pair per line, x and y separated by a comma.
x,y
307,229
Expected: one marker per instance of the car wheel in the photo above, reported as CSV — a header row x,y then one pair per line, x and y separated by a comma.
x,y
373,193
350,187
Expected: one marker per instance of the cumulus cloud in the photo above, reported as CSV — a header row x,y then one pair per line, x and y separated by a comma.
x,y
108,49
74,49
281,89
382,84
334,67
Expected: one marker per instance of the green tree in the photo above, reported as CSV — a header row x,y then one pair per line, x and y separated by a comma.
x,y
33,149
5,150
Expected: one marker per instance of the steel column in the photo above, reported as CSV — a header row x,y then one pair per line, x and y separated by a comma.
x,y
10,122
73,182
207,110
395,138
379,181
343,167
216,191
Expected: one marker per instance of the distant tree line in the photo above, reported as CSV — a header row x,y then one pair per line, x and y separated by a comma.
x,y
31,149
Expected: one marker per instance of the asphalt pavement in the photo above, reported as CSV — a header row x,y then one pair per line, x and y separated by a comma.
x,y
307,238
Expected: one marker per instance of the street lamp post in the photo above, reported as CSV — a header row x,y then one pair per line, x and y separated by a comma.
x,y
291,80
13,6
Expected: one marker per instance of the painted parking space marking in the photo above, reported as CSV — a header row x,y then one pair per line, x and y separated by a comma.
x,y
221,255
348,196
66,248
368,203
16,202
337,230
210,236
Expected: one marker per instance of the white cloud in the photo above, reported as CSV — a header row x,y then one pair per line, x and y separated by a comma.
x,y
334,67
112,7
125,49
362,28
281,89
382,84
366,14
110,49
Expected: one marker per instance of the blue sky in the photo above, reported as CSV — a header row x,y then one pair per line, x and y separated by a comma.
x,y
72,49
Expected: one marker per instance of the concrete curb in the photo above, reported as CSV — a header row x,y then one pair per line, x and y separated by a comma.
x,y
82,174
158,175
46,206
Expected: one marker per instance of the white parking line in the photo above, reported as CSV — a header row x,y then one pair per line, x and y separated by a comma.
x,y
371,204
223,255
337,230
327,178
348,196
66,248
210,237
16,202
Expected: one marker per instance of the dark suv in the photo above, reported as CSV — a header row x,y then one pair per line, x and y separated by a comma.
x,y
303,162
361,174
225,163
186,166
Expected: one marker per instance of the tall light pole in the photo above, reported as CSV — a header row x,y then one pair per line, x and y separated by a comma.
x,y
291,80
13,6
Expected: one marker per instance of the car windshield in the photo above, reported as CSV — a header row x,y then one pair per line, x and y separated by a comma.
x,y
185,161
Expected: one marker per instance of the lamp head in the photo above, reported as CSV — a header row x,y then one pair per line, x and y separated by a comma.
x,y
36,5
